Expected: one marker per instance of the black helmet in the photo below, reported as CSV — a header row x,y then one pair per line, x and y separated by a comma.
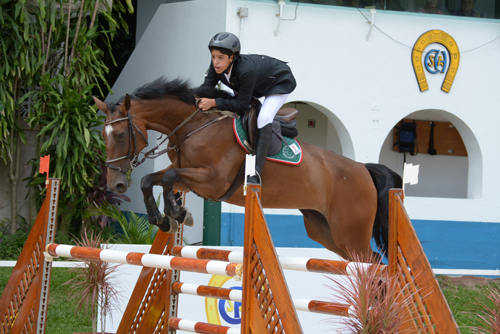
x,y
226,40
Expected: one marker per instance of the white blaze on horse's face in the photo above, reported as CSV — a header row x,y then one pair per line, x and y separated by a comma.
x,y
108,129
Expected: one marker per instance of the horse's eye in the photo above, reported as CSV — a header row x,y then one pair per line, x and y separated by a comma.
x,y
120,135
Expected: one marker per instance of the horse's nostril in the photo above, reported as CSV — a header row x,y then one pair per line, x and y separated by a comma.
x,y
120,187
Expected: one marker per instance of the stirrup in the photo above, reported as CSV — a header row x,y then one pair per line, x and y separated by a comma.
x,y
254,179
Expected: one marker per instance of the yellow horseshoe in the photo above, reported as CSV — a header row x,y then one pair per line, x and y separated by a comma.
x,y
440,37
211,303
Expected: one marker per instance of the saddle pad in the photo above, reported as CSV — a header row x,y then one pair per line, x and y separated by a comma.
x,y
286,155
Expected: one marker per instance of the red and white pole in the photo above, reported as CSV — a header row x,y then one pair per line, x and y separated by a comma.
x,y
287,262
147,260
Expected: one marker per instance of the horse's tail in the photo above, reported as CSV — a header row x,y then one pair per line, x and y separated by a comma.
x,y
384,179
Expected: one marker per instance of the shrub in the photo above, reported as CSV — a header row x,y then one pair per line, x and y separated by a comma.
x,y
11,245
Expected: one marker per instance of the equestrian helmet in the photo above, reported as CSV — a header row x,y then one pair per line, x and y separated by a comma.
x,y
226,40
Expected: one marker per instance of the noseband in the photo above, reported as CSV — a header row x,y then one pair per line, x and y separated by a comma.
x,y
132,140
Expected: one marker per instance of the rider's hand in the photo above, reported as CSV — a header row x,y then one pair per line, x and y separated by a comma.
x,y
206,104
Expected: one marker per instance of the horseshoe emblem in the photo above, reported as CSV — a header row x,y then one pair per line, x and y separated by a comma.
x,y
439,37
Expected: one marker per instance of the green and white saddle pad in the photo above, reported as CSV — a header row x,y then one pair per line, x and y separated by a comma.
x,y
289,154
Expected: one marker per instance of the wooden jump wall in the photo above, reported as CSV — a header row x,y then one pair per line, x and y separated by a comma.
x,y
267,306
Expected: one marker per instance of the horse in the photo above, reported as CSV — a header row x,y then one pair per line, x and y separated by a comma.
x,y
344,202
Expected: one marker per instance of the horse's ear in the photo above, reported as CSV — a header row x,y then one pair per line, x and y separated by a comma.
x,y
126,104
101,105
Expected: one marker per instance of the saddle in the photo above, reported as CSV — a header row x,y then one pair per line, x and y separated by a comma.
x,y
284,124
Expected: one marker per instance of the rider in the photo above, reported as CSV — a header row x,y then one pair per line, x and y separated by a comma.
x,y
248,76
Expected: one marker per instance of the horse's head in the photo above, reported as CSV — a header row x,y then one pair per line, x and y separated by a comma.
x,y
122,142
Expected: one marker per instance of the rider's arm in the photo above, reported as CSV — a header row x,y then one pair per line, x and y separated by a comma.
x,y
241,103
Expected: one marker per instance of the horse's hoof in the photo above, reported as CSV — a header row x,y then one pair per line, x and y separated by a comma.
x,y
185,218
188,219
168,225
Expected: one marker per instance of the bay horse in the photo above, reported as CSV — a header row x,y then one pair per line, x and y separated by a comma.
x,y
344,203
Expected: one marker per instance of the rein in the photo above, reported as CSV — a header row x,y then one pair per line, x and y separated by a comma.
x,y
134,162
151,155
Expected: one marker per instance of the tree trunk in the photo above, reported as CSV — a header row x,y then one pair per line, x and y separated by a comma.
x,y
67,215
86,222
33,192
13,199
14,166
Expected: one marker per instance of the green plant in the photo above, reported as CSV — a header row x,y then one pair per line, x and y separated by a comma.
x,y
74,145
378,304
136,228
94,286
20,61
11,245
49,53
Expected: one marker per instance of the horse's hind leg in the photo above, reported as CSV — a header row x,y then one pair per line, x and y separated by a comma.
x,y
351,227
317,229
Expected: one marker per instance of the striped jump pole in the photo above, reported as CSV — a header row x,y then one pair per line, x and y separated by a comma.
x,y
200,327
306,305
147,260
287,262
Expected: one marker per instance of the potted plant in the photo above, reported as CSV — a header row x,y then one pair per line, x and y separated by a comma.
x,y
93,286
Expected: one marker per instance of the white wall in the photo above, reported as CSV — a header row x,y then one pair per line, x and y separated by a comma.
x,y
145,12
166,48
363,87
317,135
370,84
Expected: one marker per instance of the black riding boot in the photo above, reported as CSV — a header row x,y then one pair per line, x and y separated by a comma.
x,y
262,143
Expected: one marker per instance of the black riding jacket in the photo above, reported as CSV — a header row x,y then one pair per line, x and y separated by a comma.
x,y
252,76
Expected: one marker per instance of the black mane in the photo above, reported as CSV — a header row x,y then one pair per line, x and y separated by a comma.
x,y
177,87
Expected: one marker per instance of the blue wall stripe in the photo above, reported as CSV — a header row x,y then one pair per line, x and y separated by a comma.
x,y
286,230
447,244
460,245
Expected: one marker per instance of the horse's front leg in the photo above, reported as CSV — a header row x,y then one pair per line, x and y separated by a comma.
x,y
172,204
165,224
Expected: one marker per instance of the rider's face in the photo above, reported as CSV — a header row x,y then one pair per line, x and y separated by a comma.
x,y
221,61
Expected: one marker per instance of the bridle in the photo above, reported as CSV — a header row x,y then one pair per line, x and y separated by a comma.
x,y
134,162
132,140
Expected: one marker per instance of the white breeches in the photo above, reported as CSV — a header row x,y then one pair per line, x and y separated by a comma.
x,y
270,108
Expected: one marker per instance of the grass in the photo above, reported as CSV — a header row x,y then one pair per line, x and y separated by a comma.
x,y
462,298
62,318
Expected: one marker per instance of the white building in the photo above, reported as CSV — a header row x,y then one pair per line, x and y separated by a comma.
x,y
357,82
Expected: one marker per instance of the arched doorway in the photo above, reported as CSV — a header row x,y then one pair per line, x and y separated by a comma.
x,y
319,126
441,175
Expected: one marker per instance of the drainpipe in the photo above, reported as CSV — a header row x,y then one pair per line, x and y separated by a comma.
x,y
281,3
